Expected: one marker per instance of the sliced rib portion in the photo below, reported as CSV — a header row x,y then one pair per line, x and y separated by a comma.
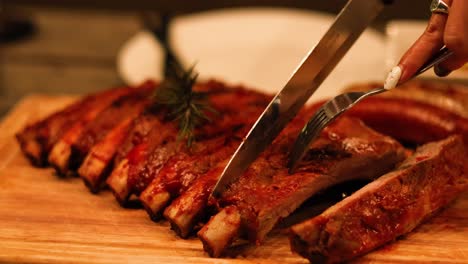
x,y
440,109
234,106
59,156
187,209
120,111
185,168
36,140
99,160
266,192
190,207
121,180
387,208
400,118
158,156
450,96
142,125
182,170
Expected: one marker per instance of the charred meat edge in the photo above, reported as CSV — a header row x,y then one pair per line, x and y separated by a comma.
x,y
266,193
387,208
135,161
141,126
37,139
390,115
449,96
187,209
133,174
59,156
107,120
182,170
99,159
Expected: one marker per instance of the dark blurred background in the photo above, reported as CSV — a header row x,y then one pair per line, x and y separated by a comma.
x,y
70,46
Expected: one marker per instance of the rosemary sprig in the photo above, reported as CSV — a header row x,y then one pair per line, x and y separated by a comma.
x,y
184,105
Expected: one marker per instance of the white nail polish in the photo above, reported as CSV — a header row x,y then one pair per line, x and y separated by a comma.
x,y
392,78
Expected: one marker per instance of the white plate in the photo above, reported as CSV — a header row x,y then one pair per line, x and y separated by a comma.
x,y
140,58
258,47
401,35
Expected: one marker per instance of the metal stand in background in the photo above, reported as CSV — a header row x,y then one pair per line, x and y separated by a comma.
x,y
158,25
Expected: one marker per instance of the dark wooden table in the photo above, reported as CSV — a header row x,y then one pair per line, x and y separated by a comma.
x,y
400,9
72,52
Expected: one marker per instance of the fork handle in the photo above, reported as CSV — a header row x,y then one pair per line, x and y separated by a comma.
x,y
437,58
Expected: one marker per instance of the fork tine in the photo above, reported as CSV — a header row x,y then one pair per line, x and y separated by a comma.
x,y
310,131
337,106
327,113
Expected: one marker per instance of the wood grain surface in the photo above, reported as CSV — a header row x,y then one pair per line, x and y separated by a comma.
x,y
46,219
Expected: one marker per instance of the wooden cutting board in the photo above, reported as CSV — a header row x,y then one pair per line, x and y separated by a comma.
x,y
46,219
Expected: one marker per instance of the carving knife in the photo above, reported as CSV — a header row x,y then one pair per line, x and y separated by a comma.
x,y
315,67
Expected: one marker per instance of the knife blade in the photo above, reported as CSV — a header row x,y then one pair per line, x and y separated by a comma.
x,y
315,67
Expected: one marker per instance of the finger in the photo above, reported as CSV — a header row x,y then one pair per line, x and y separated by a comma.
x,y
446,67
428,43
440,71
456,35
456,29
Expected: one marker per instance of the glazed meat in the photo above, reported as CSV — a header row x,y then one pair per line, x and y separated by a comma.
x,y
190,207
440,109
122,179
122,133
121,111
387,208
99,160
450,96
219,140
141,126
37,140
185,168
60,154
266,192
235,108
390,115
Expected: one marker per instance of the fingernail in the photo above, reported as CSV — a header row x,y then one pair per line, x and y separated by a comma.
x,y
441,71
392,78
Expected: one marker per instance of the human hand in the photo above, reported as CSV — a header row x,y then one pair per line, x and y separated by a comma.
x,y
450,30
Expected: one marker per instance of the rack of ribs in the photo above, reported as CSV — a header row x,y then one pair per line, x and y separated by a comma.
x,y
99,160
38,139
105,122
59,156
190,207
182,170
388,207
143,163
219,140
121,133
266,192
